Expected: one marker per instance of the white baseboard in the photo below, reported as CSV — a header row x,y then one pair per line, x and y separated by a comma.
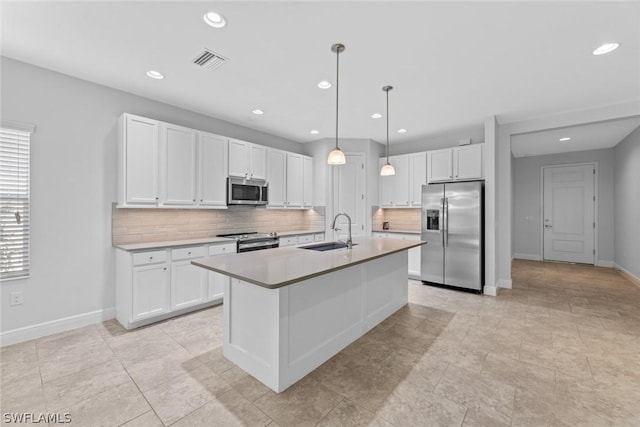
x,y
490,290
629,275
505,283
55,326
530,257
601,263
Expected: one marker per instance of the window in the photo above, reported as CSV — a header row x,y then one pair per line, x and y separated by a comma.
x,y
14,204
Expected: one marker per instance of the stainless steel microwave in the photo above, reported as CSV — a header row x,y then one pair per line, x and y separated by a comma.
x,y
242,191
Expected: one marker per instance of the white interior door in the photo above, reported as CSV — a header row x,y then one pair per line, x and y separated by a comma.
x,y
349,180
568,213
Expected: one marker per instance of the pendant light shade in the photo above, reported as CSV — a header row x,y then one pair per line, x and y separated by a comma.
x,y
336,157
387,168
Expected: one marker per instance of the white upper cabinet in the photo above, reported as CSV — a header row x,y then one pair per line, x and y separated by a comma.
x,y
468,162
178,165
401,182
212,170
238,158
439,166
290,179
247,160
276,177
418,169
462,163
398,191
257,161
295,183
307,179
138,161
166,165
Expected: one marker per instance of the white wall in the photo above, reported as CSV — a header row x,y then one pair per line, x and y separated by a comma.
x,y
444,140
73,184
627,203
527,201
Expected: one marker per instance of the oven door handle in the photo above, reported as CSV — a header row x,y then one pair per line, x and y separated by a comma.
x,y
266,244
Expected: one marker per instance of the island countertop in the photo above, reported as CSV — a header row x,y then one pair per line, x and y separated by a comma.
x,y
284,266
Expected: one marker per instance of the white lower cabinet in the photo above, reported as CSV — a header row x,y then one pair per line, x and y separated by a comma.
x,y
305,238
188,282
288,241
414,253
216,281
151,295
156,284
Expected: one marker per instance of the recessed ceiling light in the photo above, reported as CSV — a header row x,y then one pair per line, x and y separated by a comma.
x,y
606,48
215,20
257,112
565,139
402,131
324,84
376,115
155,74
314,131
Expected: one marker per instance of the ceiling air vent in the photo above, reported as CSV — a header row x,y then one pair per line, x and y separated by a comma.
x,y
210,60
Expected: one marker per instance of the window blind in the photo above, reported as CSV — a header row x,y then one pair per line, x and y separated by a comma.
x,y
14,204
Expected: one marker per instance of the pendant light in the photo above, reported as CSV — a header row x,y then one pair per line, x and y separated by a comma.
x,y
387,169
336,157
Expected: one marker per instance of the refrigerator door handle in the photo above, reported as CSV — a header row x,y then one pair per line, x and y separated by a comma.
x,y
441,226
446,221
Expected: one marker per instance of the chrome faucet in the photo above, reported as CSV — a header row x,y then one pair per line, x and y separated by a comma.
x,y
333,226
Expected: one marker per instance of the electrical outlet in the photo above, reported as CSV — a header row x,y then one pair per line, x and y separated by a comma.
x,y
16,298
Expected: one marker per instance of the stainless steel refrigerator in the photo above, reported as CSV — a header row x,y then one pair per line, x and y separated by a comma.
x,y
452,225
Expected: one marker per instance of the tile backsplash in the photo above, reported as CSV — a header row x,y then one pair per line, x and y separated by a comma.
x,y
153,225
399,219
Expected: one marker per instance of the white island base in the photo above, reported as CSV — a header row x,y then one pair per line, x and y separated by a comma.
x,y
280,335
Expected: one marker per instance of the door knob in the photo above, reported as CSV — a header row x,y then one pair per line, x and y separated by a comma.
x,y
548,226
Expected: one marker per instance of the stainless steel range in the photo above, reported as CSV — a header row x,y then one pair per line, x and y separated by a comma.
x,y
253,241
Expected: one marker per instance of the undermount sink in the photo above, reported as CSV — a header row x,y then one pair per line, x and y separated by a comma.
x,y
326,246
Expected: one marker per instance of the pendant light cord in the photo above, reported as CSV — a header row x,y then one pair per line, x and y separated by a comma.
x,y
387,126
337,89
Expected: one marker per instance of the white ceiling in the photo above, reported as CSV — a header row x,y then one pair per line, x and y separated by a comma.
x,y
585,137
452,64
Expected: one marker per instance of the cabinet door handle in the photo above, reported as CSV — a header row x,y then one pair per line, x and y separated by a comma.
x,y
157,199
195,200
189,253
150,258
200,200
164,269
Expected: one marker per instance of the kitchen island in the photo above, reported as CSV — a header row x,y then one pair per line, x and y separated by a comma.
x,y
288,310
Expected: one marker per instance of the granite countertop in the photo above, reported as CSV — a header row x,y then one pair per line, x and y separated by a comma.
x,y
200,241
170,243
288,265
397,231
297,232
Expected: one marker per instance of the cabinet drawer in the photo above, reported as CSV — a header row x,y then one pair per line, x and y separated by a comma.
x,y
225,248
318,237
288,241
306,238
404,236
152,257
187,253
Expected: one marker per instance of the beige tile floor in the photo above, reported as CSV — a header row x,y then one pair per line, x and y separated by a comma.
x,y
562,348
